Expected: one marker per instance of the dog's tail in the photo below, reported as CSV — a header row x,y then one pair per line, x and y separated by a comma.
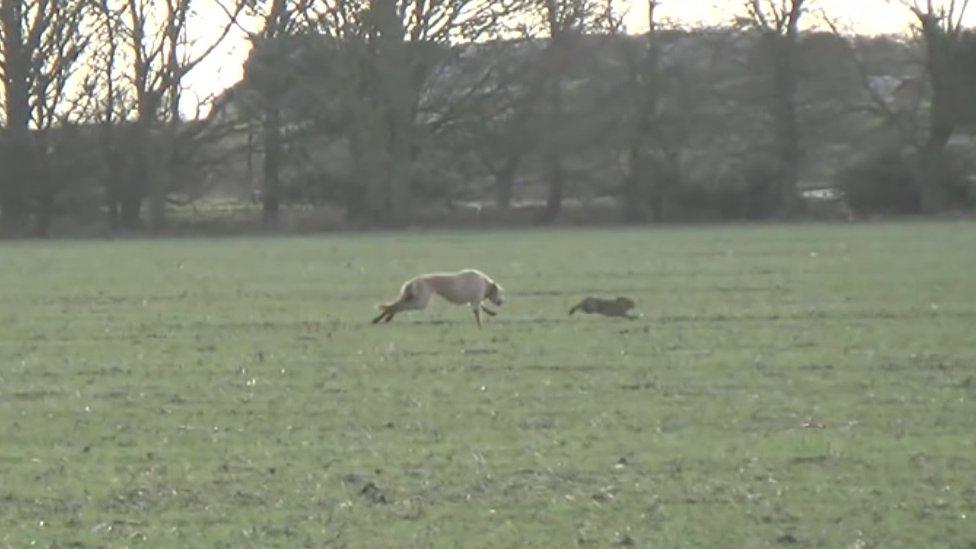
x,y
574,308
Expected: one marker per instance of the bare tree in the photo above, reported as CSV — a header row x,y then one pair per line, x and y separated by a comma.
x,y
778,21
289,30
43,43
277,17
388,54
940,25
644,81
160,54
901,119
405,46
406,41
17,148
564,22
292,74
503,120
109,106
56,47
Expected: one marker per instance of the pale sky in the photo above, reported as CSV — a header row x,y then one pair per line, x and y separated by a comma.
x,y
864,16
867,16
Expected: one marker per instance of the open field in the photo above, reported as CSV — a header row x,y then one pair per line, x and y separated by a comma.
x,y
801,386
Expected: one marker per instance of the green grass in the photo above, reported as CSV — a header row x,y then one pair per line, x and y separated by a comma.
x,y
798,385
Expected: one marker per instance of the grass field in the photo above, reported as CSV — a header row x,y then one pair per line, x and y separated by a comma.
x,y
797,386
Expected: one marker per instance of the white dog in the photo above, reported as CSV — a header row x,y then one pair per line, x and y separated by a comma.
x,y
467,287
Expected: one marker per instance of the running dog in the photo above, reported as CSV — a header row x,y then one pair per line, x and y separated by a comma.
x,y
467,287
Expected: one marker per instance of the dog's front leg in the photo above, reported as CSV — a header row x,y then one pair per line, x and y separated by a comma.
x,y
488,311
477,316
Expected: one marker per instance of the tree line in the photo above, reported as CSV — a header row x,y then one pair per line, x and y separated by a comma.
x,y
388,108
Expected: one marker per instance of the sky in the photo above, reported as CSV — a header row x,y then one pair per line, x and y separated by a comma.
x,y
868,16
224,68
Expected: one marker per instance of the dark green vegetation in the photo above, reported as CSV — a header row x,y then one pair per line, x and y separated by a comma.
x,y
407,113
805,386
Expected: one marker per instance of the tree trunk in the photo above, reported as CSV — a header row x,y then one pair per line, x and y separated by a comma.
x,y
157,203
160,170
133,188
933,164
644,83
393,97
130,206
781,48
139,177
933,178
399,203
563,25
554,196
360,192
505,182
14,203
17,151
44,213
113,191
555,147
112,212
656,203
43,186
271,195
933,169
112,160
633,206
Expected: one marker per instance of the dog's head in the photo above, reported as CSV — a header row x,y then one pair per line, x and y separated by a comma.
x,y
494,293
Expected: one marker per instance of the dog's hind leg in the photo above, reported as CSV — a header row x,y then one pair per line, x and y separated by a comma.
x,y
382,315
401,303
388,312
